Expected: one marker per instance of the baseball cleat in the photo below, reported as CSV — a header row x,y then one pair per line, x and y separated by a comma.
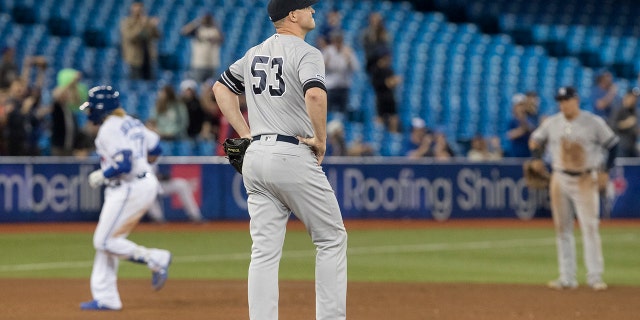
x,y
95,305
562,284
598,285
158,278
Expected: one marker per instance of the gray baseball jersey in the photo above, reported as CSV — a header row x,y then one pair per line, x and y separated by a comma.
x,y
272,68
575,145
284,176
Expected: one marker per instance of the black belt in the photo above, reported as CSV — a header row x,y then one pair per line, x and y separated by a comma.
x,y
279,137
576,173
143,175
117,183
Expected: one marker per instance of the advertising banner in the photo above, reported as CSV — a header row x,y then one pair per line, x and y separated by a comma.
x,y
41,190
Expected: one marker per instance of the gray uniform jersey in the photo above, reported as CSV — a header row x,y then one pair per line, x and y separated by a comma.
x,y
575,145
280,70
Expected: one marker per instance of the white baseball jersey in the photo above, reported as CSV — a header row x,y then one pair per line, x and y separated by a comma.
x,y
122,133
124,204
276,107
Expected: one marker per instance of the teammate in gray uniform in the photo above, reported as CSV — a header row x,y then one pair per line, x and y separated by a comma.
x,y
575,139
287,105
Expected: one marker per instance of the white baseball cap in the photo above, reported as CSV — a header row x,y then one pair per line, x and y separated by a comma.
x,y
518,98
188,84
418,123
334,126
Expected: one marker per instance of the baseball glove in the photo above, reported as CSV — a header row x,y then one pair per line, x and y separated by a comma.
x,y
536,175
235,149
603,181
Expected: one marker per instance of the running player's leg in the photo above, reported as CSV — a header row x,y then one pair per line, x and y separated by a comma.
x,y
562,211
587,207
121,212
104,286
182,188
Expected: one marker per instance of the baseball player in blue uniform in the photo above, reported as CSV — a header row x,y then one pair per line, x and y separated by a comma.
x,y
124,149
576,140
284,82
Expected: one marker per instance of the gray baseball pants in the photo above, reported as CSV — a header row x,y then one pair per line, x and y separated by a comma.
x,y
280,178
577,195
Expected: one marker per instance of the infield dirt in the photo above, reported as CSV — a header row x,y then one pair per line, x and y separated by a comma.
x,y
226,300
30,299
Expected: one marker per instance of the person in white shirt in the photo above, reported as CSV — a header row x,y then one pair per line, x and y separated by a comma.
x,y
205,47
340,64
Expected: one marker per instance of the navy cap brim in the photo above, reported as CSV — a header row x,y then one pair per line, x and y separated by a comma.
x,y
566,93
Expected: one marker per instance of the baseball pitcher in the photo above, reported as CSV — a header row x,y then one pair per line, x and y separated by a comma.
x,y
283,79
576,139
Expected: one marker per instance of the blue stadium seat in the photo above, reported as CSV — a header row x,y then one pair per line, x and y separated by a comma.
x,y
452,71
59,26
23,14
183,147
204,148
168,61
97,38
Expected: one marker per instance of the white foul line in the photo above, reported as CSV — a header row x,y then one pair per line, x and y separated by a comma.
x,y
430,247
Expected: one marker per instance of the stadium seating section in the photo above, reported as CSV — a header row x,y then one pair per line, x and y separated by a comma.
x,y
461,60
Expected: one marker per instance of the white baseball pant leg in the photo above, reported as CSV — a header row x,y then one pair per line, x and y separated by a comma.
x,y
122,209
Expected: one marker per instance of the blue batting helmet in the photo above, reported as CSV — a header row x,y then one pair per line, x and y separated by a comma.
x,y
102,101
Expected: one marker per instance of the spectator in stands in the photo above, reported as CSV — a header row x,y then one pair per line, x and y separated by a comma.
x,y
169,118
199,120
24,114
340,64
8,67
210,106
139,33
375,40
441,150
337,144
519,128
4,110
483,151
418,132
20,115
433,144
332,26
67,138
205,46
625,124
420,141
532,107
604,95
384,82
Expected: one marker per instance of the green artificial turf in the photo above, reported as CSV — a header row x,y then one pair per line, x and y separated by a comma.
x,y
497,255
